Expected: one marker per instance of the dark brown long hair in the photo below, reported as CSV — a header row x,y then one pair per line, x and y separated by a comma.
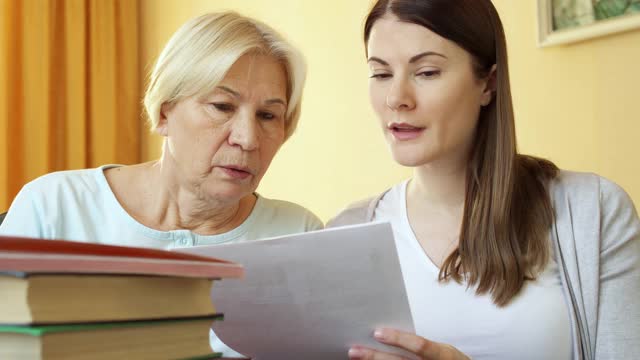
x,y
504,236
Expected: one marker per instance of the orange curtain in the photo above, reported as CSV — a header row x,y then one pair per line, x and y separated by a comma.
x,y
69,87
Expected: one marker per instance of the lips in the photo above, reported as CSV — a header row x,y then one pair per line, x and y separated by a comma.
x,y
236,172
404,127
404,131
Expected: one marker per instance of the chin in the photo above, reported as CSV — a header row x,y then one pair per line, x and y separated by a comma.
x,y
410,158
229,192
409,162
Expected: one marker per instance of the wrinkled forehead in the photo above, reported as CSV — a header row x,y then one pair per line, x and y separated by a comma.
x,y
258,74
259,68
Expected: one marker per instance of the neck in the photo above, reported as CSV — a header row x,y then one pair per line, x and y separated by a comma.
x,y
441,185
179,204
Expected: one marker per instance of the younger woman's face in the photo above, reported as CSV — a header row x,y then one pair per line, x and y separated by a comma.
x,y
424,91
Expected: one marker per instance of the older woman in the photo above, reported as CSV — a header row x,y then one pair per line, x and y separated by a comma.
x,y
225,94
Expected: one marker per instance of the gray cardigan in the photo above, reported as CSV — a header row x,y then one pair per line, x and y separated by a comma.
x,y
596,239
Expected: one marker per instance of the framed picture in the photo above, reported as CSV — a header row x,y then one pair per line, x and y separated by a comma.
x,y
567,21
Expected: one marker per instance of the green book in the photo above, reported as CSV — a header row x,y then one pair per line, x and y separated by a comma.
x,y
186,338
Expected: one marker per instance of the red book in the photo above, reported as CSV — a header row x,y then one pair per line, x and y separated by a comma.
x,y
58,256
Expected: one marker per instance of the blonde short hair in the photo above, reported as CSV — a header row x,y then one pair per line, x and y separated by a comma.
x,y
200,52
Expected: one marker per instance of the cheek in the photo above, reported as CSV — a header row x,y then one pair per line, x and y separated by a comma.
x,y
270,148
274,132
212,137
377,98
459,121
270,144
208,145
271,137
455,102
182,140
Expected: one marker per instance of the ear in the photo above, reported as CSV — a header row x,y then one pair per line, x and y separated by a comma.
x,y
162,128
490,87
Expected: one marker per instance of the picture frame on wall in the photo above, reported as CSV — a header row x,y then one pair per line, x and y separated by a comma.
x,y
568,21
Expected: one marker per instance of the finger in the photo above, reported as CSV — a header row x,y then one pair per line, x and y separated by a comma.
x,y
363,353
409,341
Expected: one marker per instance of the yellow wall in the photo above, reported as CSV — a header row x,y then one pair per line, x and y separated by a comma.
x,y
577,105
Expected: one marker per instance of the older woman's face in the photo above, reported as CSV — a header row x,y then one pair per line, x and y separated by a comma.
x,y
223,143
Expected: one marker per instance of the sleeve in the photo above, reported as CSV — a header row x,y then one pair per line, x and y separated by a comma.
x,y
313,223
618,329
355,213
25,216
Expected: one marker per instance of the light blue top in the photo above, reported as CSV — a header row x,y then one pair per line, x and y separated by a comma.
x,y
79,205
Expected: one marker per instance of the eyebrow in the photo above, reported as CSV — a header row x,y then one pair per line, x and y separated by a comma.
x,y
237,95
411,61
276,101
230,91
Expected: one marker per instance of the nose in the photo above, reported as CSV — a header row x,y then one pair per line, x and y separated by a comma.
x,y
400,96
244,131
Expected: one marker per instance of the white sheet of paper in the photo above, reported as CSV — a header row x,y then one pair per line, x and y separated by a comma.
x,y
311,295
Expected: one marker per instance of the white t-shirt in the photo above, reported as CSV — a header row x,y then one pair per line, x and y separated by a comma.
x,y
79,205
534,325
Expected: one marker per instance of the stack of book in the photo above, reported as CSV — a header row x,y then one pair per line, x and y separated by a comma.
x,y
69,300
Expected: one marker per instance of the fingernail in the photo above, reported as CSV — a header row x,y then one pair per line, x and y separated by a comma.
x,y
379,334
355,353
